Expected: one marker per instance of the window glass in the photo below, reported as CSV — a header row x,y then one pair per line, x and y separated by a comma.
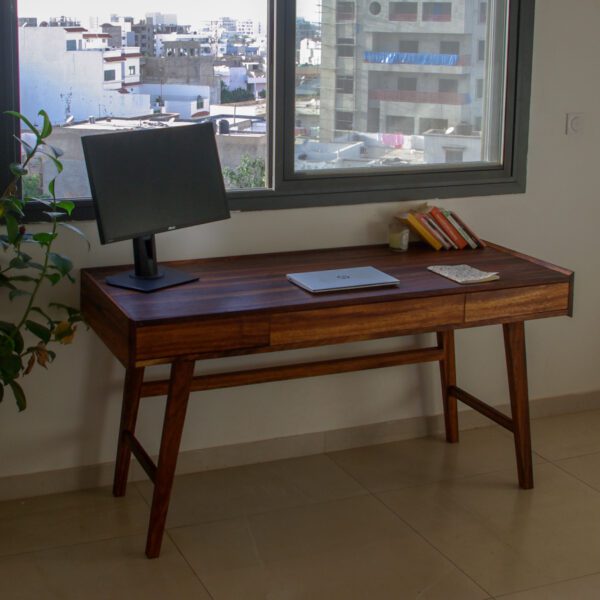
x,y
119,65
416,88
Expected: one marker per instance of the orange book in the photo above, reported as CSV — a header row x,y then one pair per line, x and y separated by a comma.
x,y
447,227
414,222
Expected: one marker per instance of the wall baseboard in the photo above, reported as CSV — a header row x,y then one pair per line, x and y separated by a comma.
x,y
220,457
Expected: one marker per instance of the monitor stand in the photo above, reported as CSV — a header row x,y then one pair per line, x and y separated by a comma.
x,y
148,276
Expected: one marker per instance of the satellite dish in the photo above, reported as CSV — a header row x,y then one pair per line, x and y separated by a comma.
x,y
69,120
449,130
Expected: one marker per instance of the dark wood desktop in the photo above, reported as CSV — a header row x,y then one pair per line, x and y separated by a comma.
x,y
245,305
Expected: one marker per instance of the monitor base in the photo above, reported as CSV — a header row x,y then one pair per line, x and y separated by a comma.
x,y
166,278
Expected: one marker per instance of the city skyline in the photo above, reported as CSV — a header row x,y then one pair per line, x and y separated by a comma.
x,y
187,14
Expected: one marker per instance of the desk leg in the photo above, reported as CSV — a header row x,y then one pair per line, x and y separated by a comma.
x,y
448,376
179,391
134,378
514,344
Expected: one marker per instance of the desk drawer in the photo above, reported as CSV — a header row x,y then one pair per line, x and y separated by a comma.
x,y
161,343
523,302
367,321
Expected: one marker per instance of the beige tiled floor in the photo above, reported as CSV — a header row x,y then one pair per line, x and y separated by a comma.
x,y
415,519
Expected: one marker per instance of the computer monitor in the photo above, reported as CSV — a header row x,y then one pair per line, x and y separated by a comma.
x,y
146,181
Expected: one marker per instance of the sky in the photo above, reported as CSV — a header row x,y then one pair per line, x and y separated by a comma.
x,y
189,12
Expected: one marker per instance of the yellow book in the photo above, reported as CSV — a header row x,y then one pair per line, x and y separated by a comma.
x,y
414,222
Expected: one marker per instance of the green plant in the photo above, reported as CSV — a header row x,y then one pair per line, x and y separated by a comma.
x,y
26,341
250,173
238,95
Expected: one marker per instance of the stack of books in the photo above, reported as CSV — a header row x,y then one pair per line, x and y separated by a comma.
x,y
441,229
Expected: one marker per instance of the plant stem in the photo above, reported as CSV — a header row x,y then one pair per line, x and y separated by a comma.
x,y
39,281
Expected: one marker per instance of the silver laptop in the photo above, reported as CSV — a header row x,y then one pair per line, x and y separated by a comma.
x,y
342,279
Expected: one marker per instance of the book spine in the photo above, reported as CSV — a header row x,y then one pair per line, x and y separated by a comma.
x,y
475,237
460,230
441,233
418,227
426,223
445,225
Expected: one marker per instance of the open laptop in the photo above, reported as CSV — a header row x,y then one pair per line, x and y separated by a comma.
x,y
342,279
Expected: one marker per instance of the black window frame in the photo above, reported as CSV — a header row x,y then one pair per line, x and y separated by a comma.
x,y
329,188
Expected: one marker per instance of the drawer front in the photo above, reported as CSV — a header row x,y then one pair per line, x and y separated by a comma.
x,y
160,343
528,302
362,322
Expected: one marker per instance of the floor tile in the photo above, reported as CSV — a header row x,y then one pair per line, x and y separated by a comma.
x,y
251,489
426,460
566,436
586,468
111,569
585,588
69,518
353,548
504,538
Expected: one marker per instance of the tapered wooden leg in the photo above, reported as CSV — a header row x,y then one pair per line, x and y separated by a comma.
x,y
134,378
514,344
177,400
448,376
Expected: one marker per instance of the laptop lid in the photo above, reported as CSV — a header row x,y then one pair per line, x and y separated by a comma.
x,y
342,279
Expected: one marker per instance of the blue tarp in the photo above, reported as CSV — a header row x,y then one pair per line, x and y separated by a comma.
x,y
412,58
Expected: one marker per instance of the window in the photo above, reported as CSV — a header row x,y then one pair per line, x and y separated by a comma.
x,y
374,8
482,12
352,97
479,90
110,75
454,155
448,86
343,120
132,70
403,11
409,46
449,47
71,45
345,47
345,11
437,11
399,125
481,50
407,84
344,84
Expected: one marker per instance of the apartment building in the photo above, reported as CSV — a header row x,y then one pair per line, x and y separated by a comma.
x,y
403,67
74,72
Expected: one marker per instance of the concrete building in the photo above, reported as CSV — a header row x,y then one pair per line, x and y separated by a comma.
x,y
72,72
183,70
144,37
402,67
160,19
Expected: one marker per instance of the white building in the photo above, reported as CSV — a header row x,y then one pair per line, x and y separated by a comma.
x,y
71,72
234,78
310,52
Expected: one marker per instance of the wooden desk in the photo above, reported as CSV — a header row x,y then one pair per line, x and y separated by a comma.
x,y
245,305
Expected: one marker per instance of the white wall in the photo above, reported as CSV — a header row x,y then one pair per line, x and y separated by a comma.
x,y
72,82
74,407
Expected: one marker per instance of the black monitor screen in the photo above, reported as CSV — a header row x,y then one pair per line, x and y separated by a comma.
x,y
152,180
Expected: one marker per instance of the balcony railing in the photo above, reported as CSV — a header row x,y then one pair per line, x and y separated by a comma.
x,y
417,58
420,97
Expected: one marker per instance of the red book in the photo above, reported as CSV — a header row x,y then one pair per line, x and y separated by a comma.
x,y
448,228
477,239
423,220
